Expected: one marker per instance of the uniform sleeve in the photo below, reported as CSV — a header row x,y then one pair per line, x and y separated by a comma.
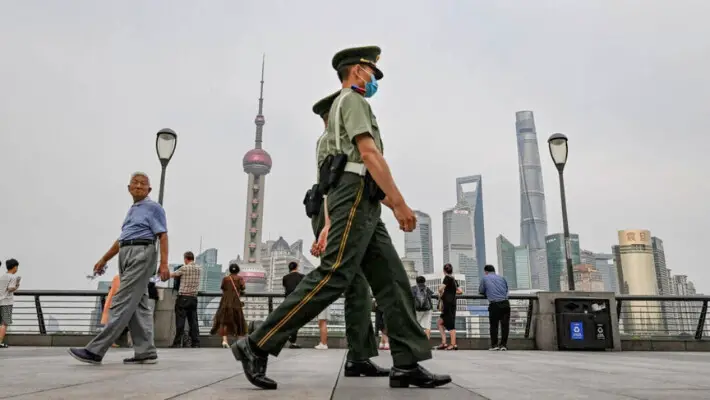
x,y
356,116
158,224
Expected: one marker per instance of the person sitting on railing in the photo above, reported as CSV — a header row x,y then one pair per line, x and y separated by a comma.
x,y
229,318
9,283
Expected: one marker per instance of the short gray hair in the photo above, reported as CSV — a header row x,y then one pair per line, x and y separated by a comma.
x,y
139,173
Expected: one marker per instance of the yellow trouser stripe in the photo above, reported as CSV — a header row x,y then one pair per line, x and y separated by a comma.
x,y
325,280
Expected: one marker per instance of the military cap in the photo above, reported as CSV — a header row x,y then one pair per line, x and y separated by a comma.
x,y
359,55
323,105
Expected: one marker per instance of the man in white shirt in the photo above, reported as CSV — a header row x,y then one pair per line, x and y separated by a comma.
x,y
9,283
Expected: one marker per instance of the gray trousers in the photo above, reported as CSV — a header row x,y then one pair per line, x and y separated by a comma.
x,y
130,305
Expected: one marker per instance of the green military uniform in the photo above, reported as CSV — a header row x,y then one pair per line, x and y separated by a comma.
x,y
357,237
360,335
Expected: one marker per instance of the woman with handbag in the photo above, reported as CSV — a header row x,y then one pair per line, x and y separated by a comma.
x,y
229,319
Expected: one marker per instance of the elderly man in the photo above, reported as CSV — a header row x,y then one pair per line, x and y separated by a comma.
x,y
144,223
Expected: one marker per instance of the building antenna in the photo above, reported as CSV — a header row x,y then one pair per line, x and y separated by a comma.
x,y
200,252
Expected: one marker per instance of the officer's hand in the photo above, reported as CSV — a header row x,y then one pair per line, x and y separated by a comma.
x,y
405,216
320,244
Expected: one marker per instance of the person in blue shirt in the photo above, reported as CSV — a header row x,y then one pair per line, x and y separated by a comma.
x,y
144,224
495,288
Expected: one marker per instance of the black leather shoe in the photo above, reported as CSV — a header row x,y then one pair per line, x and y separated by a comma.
x,y
364,368
402,378
254,366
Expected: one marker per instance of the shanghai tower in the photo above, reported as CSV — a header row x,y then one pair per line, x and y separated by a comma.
x,y
533,214
257,164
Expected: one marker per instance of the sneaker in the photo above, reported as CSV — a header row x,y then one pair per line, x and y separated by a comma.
x,y
150,359
3,346
85,356
503,348
494,348
321,346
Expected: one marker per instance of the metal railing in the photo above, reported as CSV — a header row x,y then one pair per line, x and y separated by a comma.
x,y
56,312
47,312
663,316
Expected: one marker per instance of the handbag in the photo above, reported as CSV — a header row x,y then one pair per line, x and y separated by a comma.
x,y
236,291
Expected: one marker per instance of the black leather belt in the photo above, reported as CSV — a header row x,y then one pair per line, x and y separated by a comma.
x,y
136,242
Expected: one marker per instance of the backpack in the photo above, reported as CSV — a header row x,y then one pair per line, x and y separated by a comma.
x,y
422,300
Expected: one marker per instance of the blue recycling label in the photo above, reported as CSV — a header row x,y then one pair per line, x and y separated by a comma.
x,y
576,331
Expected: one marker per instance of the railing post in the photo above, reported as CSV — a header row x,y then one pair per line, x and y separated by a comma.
x,y
271,304
40,316
618,310
701,321
528,320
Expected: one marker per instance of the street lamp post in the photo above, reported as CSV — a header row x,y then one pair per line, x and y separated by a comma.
x,y
165,143
559,150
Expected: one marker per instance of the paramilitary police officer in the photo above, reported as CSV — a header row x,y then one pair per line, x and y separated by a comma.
x,y
359,179
362,344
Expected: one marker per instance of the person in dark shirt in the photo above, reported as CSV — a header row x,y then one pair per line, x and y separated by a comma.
x,y
289,282
447,305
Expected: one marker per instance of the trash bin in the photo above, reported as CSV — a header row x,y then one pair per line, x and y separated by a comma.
x,y
583,324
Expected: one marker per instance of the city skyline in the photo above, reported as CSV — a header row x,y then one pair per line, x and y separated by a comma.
x,y
89,113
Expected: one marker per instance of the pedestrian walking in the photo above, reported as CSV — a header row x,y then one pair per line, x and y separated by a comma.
x,y
136,248
359,181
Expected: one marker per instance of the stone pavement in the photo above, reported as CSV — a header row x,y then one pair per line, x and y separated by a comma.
x,y
50,373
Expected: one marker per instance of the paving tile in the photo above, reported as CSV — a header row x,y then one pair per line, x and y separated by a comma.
x,y
50,373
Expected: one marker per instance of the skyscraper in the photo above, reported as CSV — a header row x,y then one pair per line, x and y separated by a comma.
x,y
604,263
663,281
557,257
523,259
637,275
418,244
459,247
533,213
470,190
663,278
210,281
506,261
257,164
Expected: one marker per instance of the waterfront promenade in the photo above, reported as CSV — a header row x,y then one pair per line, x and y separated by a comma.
x,y
30,373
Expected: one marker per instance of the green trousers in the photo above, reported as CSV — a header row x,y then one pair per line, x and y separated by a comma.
x,y
359,333
357,237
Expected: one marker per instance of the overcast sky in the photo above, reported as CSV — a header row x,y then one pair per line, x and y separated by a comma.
x,y
85,85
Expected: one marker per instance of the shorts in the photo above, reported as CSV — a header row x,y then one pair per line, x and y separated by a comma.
x,y
324,315
424,319
6,315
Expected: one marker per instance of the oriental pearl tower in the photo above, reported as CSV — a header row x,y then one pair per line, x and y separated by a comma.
x,y
257,164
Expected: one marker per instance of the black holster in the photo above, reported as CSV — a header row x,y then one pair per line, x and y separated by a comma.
x,y
313,201
337,169
374,193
